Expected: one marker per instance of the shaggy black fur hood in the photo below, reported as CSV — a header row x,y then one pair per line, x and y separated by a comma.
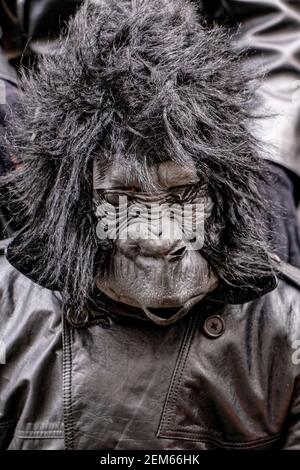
x,y
145,81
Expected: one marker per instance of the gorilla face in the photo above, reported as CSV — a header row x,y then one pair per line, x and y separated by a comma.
x,y
156,263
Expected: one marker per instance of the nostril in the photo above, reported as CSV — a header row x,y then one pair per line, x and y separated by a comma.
x,y
177,253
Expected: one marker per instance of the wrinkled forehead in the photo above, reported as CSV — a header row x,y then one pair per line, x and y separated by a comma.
x,y
162,175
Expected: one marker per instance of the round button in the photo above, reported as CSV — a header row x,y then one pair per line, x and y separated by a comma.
x,y
214,326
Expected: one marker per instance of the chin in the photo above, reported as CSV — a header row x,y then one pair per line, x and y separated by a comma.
x,y
160,300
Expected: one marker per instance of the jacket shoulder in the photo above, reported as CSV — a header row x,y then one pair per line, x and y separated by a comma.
x,y
31,350
279,311
21,297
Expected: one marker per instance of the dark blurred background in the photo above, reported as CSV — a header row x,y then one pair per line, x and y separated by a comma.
x,y
28,27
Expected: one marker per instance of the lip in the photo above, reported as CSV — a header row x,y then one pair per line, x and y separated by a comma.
x,y
182,311
164,312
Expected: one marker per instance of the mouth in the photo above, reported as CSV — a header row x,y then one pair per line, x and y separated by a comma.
x,y
168,315
164,312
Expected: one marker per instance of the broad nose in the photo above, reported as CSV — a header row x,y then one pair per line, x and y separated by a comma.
x,y
172,250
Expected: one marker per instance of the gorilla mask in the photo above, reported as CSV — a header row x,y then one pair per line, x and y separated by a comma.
x,y
145,100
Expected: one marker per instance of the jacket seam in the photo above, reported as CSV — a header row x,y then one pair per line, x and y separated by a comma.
x,y
38,434
179,366
205,437
67,387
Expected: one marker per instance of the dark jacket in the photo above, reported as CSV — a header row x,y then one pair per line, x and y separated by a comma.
x,y
224,376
